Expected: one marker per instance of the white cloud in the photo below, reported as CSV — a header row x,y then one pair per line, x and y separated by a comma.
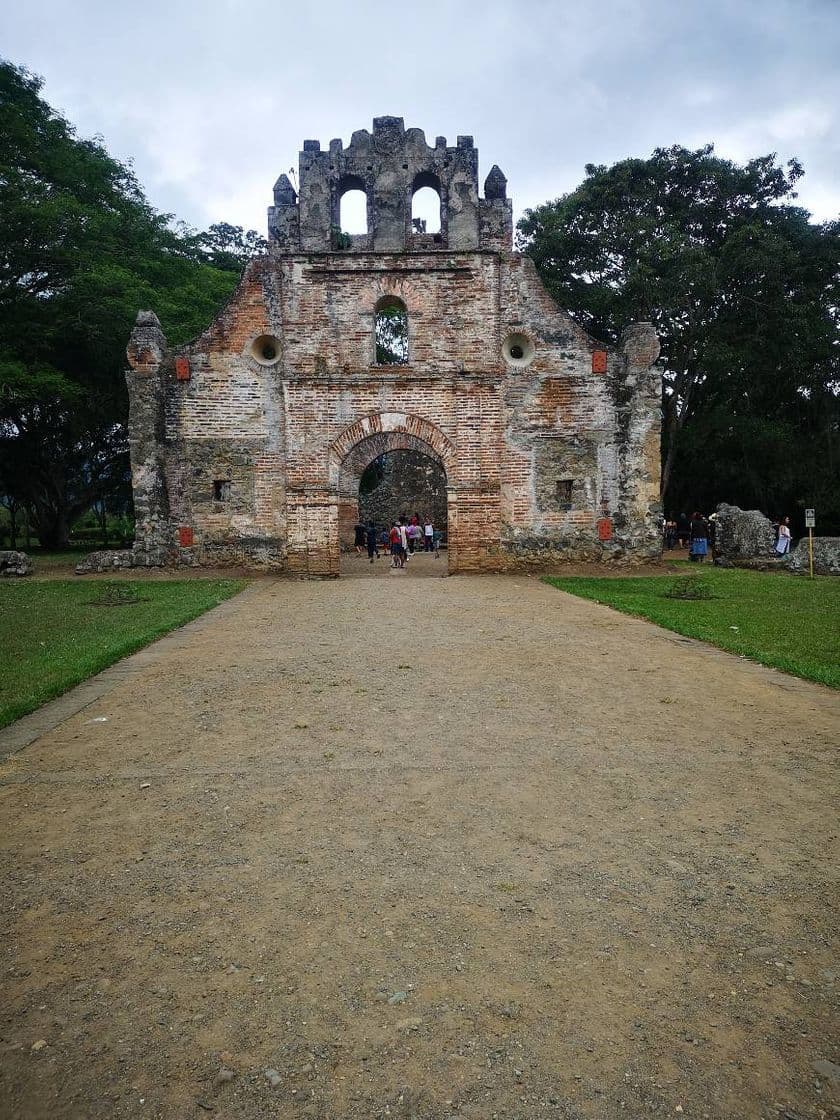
x,y
214,100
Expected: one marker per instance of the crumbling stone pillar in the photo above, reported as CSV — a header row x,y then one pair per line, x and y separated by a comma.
x,y
313,544
637,395
146,352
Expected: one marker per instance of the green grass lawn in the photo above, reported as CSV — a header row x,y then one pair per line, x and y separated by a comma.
x,y
789,622
54,634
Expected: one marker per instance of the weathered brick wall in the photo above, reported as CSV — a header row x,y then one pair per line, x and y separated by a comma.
x,y
248,444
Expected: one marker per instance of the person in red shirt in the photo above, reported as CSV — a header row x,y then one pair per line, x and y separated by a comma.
x,y
396,545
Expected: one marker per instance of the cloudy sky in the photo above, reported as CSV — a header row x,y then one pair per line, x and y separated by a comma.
x,y
212,99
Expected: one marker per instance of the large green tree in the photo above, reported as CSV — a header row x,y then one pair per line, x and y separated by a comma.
x,y
81,250
743,290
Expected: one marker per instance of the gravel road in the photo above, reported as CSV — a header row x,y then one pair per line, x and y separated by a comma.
x,y
425,848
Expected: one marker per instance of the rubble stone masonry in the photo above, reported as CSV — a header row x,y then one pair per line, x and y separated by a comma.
x,y
247,445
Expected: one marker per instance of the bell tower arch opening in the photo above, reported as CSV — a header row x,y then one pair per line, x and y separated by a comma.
x,y
427,212
350,226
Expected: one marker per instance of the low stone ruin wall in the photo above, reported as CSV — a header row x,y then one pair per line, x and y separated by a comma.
x,y
826,557
14,563
743,534
108,560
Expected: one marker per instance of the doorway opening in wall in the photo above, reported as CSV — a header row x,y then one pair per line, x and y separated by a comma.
x,y
404,487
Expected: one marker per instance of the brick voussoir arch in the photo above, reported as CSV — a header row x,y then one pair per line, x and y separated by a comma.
x,y
383,423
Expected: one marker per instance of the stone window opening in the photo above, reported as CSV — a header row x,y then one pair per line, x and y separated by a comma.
x,y
352,208
390,332
426,205
221,490
564,493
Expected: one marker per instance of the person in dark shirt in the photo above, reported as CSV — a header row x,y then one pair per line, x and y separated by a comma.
x,y
682,530
698,537
372,545
361,532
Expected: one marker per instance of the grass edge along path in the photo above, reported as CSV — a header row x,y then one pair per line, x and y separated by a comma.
x,y
780,620
54,634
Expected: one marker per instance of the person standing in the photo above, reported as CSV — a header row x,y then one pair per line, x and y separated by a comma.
x,y
783,543
403,532
683,528
370,538
428,535
395,545
698,535
360,530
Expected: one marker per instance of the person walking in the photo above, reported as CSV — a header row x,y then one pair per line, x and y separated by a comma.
x,y
396,547
361,532
403,532
370,538
783,543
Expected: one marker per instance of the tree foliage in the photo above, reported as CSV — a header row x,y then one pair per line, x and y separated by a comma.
x,y
743,290
81,250
391,334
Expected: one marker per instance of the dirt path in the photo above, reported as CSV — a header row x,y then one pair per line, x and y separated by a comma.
x,y
425,848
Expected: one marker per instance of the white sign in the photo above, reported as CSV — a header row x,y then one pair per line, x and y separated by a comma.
x,y
810,521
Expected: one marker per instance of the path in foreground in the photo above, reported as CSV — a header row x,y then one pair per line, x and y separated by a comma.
x,y
426,848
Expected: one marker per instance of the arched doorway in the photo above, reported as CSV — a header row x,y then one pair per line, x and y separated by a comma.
x,y
374,440
404,483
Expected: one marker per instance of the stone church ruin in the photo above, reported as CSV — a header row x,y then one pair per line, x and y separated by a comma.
x,y
248,445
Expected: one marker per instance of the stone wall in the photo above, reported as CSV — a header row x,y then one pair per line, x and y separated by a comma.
x,y
743,534
826,557
14,563
248,444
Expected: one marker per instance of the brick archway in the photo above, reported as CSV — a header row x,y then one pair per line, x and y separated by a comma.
x,y
391,426
377,434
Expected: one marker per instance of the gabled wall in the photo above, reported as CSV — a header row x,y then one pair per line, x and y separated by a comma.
x,y
549,440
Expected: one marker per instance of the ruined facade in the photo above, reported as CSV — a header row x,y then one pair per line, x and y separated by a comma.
x,y
247,445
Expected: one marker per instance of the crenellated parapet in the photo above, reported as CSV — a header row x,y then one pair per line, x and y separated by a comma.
x,y
389,165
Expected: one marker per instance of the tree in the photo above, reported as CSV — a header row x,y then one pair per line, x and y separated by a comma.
x,y
741,287
391,333
227,247
81,250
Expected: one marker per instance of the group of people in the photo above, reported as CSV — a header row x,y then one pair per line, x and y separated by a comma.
x,y
699,535
696,533
406,536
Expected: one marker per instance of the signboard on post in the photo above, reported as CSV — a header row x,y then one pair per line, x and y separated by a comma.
x,y
810,521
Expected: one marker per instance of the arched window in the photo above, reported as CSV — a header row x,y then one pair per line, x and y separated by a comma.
x,y
390,332
425,203
352,212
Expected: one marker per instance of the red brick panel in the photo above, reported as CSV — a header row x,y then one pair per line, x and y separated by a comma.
x,y
605,529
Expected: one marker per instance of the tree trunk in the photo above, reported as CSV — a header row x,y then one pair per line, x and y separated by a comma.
x,y
672,428
53,528
676,410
